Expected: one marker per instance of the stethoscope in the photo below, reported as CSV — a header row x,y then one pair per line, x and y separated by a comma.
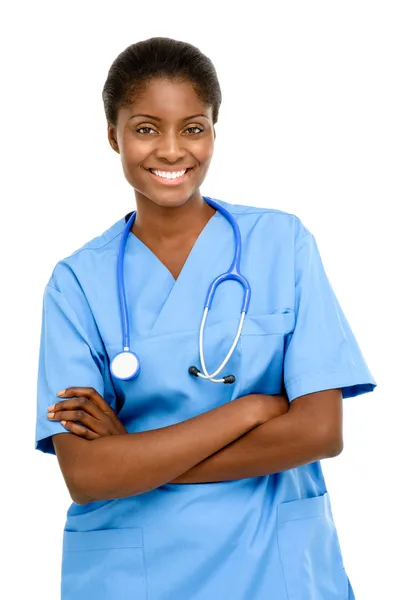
x,y
126,365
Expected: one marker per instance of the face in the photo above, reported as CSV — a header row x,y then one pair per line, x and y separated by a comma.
x,y
166,131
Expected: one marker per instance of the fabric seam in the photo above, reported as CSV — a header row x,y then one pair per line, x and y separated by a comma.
x,y
314,373
280,556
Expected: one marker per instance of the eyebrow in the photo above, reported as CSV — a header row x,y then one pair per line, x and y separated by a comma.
x,y
158,118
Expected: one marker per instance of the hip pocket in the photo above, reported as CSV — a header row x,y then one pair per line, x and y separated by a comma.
x,y
106,564
310,552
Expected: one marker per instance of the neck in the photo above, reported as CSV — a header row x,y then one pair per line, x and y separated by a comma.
x,y
163,223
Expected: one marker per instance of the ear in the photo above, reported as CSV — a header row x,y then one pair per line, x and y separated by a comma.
x,y
112,138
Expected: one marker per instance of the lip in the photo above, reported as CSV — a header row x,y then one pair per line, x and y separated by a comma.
x,y
170,170
176,181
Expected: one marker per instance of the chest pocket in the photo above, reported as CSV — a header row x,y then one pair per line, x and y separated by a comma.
x,y
263,341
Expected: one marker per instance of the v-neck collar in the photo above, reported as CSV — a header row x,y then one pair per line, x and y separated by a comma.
x,y
198,241
176,304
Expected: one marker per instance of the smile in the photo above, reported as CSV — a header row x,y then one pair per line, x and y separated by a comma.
x,y
170,177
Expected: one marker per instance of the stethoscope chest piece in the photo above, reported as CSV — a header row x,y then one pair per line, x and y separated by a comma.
x,y
125,365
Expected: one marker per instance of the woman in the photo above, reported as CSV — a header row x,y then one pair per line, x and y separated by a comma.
x,y
184,488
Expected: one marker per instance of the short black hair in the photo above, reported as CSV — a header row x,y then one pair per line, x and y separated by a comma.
x,y
164,58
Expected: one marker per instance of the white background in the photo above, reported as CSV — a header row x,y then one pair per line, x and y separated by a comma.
x,y
309,124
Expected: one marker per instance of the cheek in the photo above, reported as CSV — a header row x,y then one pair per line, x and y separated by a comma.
x,y
131,148
204,150
132,155
202,155
127,166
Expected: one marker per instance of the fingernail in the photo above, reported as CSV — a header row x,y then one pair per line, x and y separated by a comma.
x,y
50,415
51,407
63,422
61,393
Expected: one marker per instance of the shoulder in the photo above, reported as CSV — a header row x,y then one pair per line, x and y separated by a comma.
x,y
90,259
267,220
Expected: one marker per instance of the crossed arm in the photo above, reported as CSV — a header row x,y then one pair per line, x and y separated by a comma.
x,y
311,430
248,437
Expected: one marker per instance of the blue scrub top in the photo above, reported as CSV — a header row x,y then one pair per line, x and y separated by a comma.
x,y
251,539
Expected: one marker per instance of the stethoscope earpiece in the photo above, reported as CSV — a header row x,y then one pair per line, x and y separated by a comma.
x,y
227,379
125,365
194,371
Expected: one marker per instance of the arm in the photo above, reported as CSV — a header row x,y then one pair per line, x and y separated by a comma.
x,y
124,465
310,430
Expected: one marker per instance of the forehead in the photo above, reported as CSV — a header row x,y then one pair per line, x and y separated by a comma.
x,y
168,100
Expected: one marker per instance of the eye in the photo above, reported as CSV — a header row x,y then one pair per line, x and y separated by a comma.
x,y
141,129
195,127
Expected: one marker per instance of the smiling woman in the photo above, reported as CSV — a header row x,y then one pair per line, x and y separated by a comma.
x,y
183,489
199,144
165,125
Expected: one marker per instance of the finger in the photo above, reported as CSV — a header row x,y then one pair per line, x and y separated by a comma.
x,y
92,395
87,392
79,403
77,416
82,432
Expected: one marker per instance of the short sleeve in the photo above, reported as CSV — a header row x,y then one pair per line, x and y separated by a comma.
x,y
322,352
67,358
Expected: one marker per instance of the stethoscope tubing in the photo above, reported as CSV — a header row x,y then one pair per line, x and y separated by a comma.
x,y
233,273
121,283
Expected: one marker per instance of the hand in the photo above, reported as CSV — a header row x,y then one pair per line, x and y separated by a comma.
x,y
87,407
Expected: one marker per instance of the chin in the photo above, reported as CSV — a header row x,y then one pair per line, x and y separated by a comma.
x,y
168,198
174,201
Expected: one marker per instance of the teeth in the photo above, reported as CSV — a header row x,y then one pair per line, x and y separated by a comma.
x,y
168,174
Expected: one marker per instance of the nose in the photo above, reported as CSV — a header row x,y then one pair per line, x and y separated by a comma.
x,y
170,146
